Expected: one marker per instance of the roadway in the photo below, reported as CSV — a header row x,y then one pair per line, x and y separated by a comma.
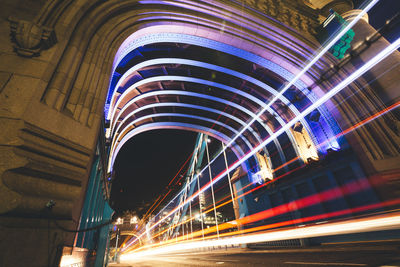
x,y
329,255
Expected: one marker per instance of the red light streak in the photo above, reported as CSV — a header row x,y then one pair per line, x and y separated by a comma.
x,y
342,85
330,194
293,222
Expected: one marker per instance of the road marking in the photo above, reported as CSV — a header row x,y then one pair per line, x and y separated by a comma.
x,y
326,263
365,241
219,262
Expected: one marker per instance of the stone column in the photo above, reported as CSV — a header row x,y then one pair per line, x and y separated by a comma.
x,y
384,76
340,6
44,154
376,144
380,87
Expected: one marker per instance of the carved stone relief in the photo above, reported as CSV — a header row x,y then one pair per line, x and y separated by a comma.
x,y
286,14
30,38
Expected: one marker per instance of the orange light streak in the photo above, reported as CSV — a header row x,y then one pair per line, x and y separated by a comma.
x,y
259,215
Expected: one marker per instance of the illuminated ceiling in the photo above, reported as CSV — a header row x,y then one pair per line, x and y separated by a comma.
x,y
187,82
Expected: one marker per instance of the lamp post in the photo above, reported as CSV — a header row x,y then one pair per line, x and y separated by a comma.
x,y
116,245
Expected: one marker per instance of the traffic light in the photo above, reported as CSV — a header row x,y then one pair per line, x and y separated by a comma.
x,y
341,46
330,27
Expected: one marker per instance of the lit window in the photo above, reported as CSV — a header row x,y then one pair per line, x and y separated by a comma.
x,y
306,147
134,220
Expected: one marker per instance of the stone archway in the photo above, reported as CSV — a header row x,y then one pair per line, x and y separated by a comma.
x,y
53,97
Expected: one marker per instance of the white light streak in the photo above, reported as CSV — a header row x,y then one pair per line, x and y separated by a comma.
x,y
360,71
387,51
307,67
378,223
293,81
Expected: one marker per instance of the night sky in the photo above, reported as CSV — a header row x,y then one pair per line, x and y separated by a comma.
x,y
382,11
147,163
150,160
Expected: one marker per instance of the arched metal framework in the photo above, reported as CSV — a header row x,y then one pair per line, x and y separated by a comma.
x,y
175,80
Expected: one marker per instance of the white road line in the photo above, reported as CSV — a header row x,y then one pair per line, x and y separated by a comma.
x,y
326,263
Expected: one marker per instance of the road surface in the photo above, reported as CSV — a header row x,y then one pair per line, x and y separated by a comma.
x,y
320,256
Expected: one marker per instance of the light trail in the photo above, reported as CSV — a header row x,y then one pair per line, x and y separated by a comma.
x,y
208,210
321,197
355,187
367,66
376,223
348,130
347,189
352,185
315,105
150,210
287,223
376,115
298,76
360,71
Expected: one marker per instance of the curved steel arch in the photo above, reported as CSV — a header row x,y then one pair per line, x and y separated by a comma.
x,y
185,116
209,66
214,84
184,105
132,43
200,81
205,65
186,79
190,106
232,51
176,125
201,64
216,99
163,37
113,122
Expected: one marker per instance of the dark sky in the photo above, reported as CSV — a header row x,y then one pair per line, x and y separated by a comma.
x,y
382,11
147,163
150,160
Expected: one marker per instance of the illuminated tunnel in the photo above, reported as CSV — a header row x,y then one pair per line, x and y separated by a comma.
x,y
81,77
212,69
214,79
182,81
